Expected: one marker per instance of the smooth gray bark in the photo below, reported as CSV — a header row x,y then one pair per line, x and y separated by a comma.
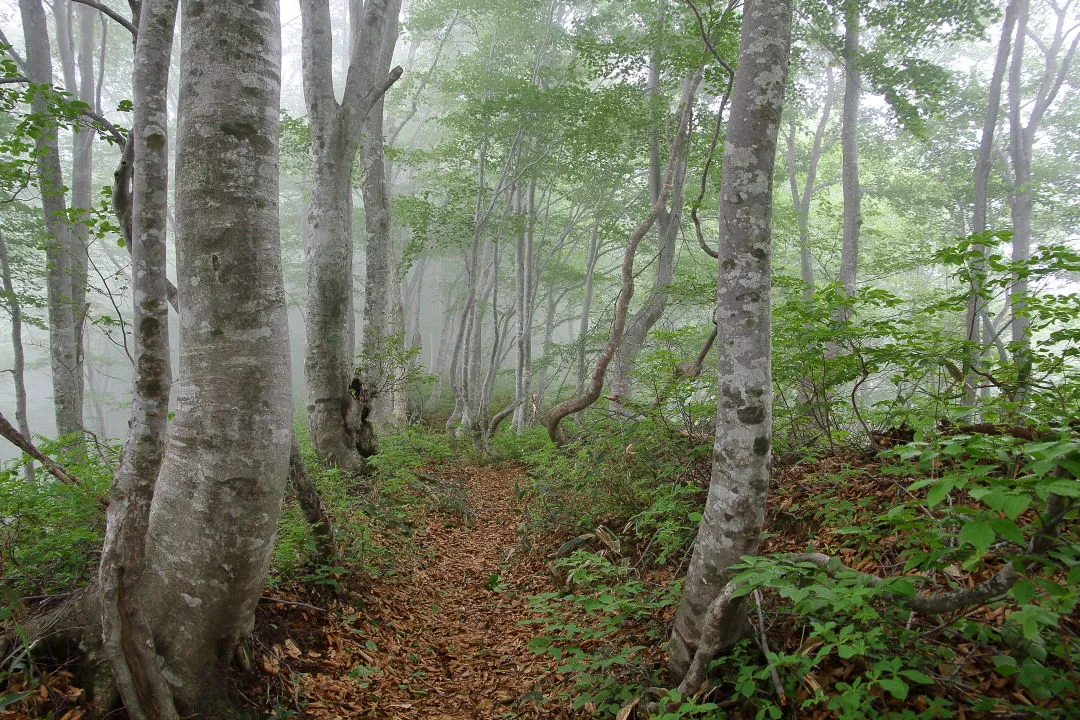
x,y
126,633
802,198
983,163
335,138
60,245
586,303
849,140
218,496
735,509
380,284
19,365
524,261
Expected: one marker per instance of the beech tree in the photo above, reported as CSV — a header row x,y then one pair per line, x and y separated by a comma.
x,y
734,511
337,424
61,248
203,512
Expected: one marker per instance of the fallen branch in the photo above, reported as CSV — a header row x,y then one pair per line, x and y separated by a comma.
x,y
23,443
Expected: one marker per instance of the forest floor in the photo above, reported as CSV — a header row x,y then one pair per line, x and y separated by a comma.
x,y
439,639
436,631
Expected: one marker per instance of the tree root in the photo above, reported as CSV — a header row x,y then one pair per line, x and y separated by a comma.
x,y
68,632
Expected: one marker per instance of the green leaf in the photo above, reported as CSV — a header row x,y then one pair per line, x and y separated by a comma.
x,y
979,534
1007,529
936,493
1014,505
917,676
896,686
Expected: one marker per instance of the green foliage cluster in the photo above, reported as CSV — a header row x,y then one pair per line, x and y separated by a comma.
x,y
642,478
362,509
50,533
979,489
586,630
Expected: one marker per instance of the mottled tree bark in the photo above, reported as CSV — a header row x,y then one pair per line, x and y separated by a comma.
x,y
335,138
734,512
126,634
311,505
218,496
60,246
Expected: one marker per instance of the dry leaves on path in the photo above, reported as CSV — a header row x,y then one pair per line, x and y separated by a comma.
x,y
441,639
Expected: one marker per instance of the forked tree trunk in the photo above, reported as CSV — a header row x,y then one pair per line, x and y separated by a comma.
x,y
335,137
983,163
802,198
218,496
734,512
1058,54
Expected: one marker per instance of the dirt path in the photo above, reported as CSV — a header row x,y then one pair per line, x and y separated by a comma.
x,y
442,639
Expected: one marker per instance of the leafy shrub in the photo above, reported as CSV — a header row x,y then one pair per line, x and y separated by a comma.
x,y
587,629
51,533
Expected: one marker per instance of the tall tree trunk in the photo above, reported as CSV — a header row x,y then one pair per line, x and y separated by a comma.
x,y
126,632
586,303
1058,54
60,246
983,164
379,264
335,136
524,278
735,509
218,496
82,182
849,130
19,365
802,198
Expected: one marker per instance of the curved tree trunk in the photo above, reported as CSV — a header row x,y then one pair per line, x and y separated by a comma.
x,y
734,512
668,224
218,496
553,419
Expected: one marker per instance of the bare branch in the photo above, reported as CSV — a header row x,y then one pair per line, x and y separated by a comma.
x,y
106,10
